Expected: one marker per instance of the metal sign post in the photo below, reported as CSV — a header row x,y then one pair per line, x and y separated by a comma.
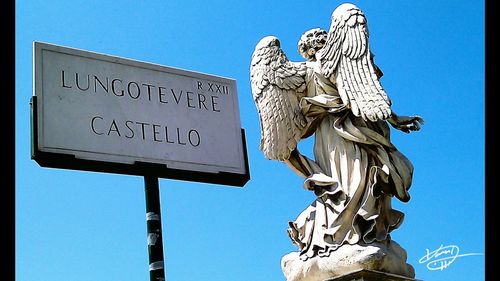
x,y
153,220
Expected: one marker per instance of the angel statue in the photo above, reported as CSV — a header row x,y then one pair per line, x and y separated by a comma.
x,y
337,96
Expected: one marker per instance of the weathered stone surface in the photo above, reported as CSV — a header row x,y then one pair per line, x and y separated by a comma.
x,y
371,275
390,258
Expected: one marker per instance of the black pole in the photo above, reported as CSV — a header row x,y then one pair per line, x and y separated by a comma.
x,y
153,220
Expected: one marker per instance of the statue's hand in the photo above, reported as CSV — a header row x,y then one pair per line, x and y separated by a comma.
x,y
406,123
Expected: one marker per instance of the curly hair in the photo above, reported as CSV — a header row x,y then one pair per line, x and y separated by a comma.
x,y
310,42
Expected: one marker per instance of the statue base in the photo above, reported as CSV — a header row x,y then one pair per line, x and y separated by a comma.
x,y
371,275
387,257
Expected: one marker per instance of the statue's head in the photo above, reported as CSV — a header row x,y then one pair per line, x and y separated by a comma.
x,y
310,42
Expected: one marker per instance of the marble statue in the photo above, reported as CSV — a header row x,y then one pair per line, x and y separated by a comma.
x,y
335,95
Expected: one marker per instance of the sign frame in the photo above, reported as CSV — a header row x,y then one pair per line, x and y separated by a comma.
x,y
140,168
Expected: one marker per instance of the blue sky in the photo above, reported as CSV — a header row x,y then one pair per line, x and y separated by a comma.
x,y
74,225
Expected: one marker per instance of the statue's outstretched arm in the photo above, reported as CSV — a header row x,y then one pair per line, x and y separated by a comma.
x,y
405,123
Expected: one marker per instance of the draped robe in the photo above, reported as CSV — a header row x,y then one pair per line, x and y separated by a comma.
x,y
356,172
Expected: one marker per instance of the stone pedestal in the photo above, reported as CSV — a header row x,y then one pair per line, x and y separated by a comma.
x,y
388,258
371,275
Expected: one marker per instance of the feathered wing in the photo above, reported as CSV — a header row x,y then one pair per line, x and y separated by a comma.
x,y
277,85
347,61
